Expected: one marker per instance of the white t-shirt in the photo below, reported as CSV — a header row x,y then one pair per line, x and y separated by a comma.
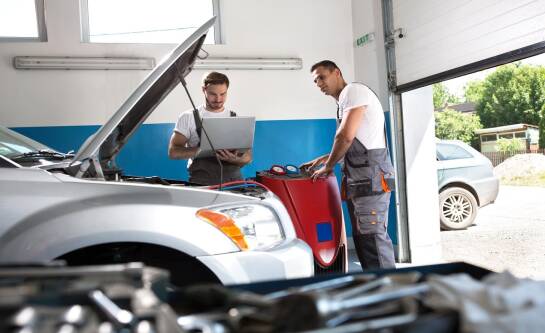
x,y
371,130
186,123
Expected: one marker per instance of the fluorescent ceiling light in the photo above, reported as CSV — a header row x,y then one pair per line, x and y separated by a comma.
x,y
85,63
98,63
249,63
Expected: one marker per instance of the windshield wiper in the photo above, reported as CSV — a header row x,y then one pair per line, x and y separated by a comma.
x,y
41,154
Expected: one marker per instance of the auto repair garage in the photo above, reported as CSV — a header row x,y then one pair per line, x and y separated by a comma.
x,y
102,228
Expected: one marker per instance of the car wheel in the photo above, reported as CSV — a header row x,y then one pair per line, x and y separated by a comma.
x,y
184,270
457,208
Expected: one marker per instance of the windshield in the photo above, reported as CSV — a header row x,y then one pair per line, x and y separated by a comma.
x,y
13,144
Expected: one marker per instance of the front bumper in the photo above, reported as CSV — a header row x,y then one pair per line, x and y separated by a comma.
x,y
288,261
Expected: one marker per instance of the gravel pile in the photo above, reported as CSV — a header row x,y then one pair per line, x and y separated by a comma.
x,y
522,165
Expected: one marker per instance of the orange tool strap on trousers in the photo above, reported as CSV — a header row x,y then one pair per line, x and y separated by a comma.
x,y
364,188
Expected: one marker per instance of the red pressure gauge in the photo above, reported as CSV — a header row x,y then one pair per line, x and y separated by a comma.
x,y
277,170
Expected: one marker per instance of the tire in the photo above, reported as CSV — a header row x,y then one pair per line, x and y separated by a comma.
x,y
184,270
457,208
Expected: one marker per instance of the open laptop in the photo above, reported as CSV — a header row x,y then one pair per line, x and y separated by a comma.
x,y
226,133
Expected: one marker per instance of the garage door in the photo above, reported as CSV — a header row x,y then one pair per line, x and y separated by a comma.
x,y
439,36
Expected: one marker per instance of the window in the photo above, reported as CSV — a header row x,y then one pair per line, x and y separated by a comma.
x,y
506,136
147,21
22,20
520,135
451,152
488,137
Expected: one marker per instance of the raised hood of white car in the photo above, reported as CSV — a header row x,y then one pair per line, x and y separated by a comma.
x,y
112,136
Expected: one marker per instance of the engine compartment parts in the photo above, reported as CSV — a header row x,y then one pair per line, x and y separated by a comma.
x,y
108,298
135,298
363,303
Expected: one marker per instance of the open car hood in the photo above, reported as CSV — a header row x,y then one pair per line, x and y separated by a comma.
x,y
112,136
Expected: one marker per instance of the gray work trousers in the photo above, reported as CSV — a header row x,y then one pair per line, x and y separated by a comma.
x,y
369,219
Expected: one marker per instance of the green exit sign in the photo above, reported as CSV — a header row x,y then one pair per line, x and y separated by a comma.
x,y
365,39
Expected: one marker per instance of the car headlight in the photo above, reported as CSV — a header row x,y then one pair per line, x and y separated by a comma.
x,y
250,227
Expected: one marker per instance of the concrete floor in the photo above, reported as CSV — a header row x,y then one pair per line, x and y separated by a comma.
x,y
507,235
353,262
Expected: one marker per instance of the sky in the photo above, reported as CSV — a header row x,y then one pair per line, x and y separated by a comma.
x,y
456,86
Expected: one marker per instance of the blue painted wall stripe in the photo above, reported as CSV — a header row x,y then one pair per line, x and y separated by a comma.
x,y
276,142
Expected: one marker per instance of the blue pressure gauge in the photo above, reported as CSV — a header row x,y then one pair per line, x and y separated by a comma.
x,y
292,169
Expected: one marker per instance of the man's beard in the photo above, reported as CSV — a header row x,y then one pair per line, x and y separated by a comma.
x,y
210,106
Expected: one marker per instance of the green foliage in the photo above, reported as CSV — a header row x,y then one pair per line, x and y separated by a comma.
x,y
473,91
513,94
542,128
442,96
510,145
453,125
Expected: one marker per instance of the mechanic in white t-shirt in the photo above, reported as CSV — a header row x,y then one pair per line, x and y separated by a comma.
x,y
368,174
185,139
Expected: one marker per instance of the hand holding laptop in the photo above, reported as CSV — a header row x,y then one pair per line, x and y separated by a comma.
x,y
230,137
227,155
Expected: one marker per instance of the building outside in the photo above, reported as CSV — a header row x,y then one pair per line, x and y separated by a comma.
x,y
489,137
465,108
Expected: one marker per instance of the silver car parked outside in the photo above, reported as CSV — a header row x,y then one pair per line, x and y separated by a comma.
x,y
466,182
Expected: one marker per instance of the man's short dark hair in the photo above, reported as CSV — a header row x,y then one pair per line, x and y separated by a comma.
x,y
215,78
330,65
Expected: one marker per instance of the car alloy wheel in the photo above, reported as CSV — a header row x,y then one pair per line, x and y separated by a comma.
x,y
457,208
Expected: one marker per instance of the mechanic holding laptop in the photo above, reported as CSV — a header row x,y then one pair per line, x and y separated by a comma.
x,y
185,139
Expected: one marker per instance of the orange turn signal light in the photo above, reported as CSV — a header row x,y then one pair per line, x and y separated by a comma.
x,y
225,224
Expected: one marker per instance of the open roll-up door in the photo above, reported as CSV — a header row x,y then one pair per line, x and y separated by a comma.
x,y
444,39
429,41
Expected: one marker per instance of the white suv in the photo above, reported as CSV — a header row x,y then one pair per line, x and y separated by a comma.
x,y
82,209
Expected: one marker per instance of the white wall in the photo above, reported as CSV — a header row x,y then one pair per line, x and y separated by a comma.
x,y
370,59
310,29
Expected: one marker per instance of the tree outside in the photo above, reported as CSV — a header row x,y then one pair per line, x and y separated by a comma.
x,y
453,125
442,96
473,91
513,94
542,129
